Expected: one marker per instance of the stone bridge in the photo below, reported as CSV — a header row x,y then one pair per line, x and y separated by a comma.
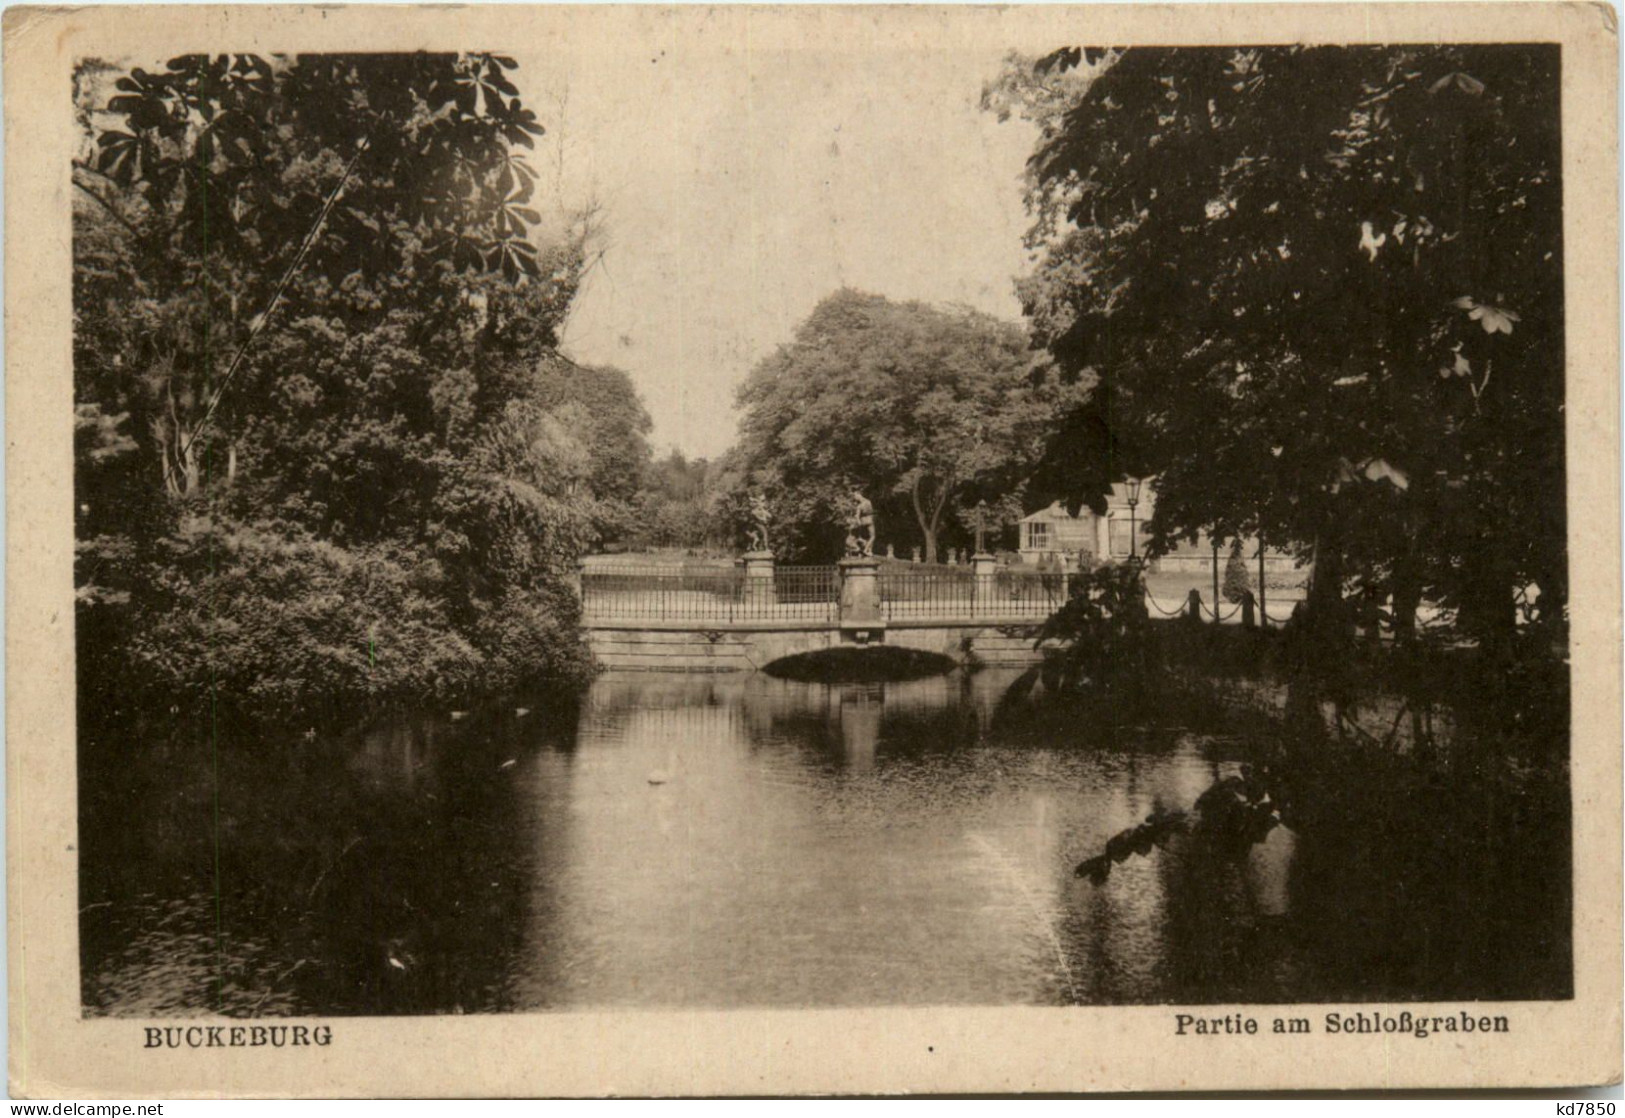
x,y
744,619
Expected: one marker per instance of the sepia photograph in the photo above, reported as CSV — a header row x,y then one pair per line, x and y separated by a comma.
x,y
711,511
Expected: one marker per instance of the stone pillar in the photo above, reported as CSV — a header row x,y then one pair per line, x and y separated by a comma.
x,y
982,567
860,589
758,588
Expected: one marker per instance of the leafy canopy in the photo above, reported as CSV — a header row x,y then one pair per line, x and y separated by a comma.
x,y
1322,291
240,152
394,491
918,406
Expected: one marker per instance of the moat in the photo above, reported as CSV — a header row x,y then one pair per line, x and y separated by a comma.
x,y
737,840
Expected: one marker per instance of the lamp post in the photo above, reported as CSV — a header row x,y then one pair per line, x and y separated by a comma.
x,y
1133,501
1263,596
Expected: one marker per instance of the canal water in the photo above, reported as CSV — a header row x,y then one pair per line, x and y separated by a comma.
x,y
725,841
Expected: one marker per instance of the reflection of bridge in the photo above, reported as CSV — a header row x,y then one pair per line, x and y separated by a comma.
x,y
720,619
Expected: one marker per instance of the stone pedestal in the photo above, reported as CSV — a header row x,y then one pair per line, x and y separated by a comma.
x,y
860,589
983,567
758,587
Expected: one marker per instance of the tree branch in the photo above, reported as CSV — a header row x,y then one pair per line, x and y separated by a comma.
x,y
108,206
276,297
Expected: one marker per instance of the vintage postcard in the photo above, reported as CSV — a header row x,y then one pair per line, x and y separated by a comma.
x,y
808,550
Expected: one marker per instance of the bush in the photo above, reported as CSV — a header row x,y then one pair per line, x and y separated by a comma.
x,y
274,624
1237,582
1104,633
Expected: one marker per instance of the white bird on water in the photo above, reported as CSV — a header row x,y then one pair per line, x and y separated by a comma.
x,y
665,775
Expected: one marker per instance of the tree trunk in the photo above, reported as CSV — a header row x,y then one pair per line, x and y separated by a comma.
x,y
925,526
1488,610
1323,639
1551,576
1407,596
176,451
1327,613
929,524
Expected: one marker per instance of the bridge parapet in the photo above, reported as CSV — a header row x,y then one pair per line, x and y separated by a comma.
x,y
706,617
856,594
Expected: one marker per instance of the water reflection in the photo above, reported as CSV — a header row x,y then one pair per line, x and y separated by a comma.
x,y
740,840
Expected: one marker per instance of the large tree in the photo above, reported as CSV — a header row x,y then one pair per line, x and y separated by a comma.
x,y
677,507
599,406
1322,291
248,187
918,406
316,457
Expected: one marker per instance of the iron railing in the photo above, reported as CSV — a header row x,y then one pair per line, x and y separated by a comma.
x,y
925,592
800,594
655,593
626,592
955,593
1018,593
707,594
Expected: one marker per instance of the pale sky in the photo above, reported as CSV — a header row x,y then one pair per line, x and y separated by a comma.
x,y
740,186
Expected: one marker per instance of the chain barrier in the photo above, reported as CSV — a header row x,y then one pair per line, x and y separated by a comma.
x,y
1175,613
1184,607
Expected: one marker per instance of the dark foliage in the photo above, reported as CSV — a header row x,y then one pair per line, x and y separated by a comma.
x,y
1101,638
319,460
1229,818
1321,291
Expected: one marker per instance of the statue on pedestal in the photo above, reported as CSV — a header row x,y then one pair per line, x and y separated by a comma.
x,y
860,527
760,514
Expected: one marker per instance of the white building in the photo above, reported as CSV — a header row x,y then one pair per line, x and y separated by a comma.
x,y
1095,538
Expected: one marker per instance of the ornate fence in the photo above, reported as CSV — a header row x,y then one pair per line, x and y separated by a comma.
x,y
907,592
1016,593
926,592
656,593
964,593
805,593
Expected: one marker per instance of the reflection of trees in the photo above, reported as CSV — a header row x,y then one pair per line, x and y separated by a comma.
x,y
424,912
613,696
1409,884
1391,883
1208,919
380,873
